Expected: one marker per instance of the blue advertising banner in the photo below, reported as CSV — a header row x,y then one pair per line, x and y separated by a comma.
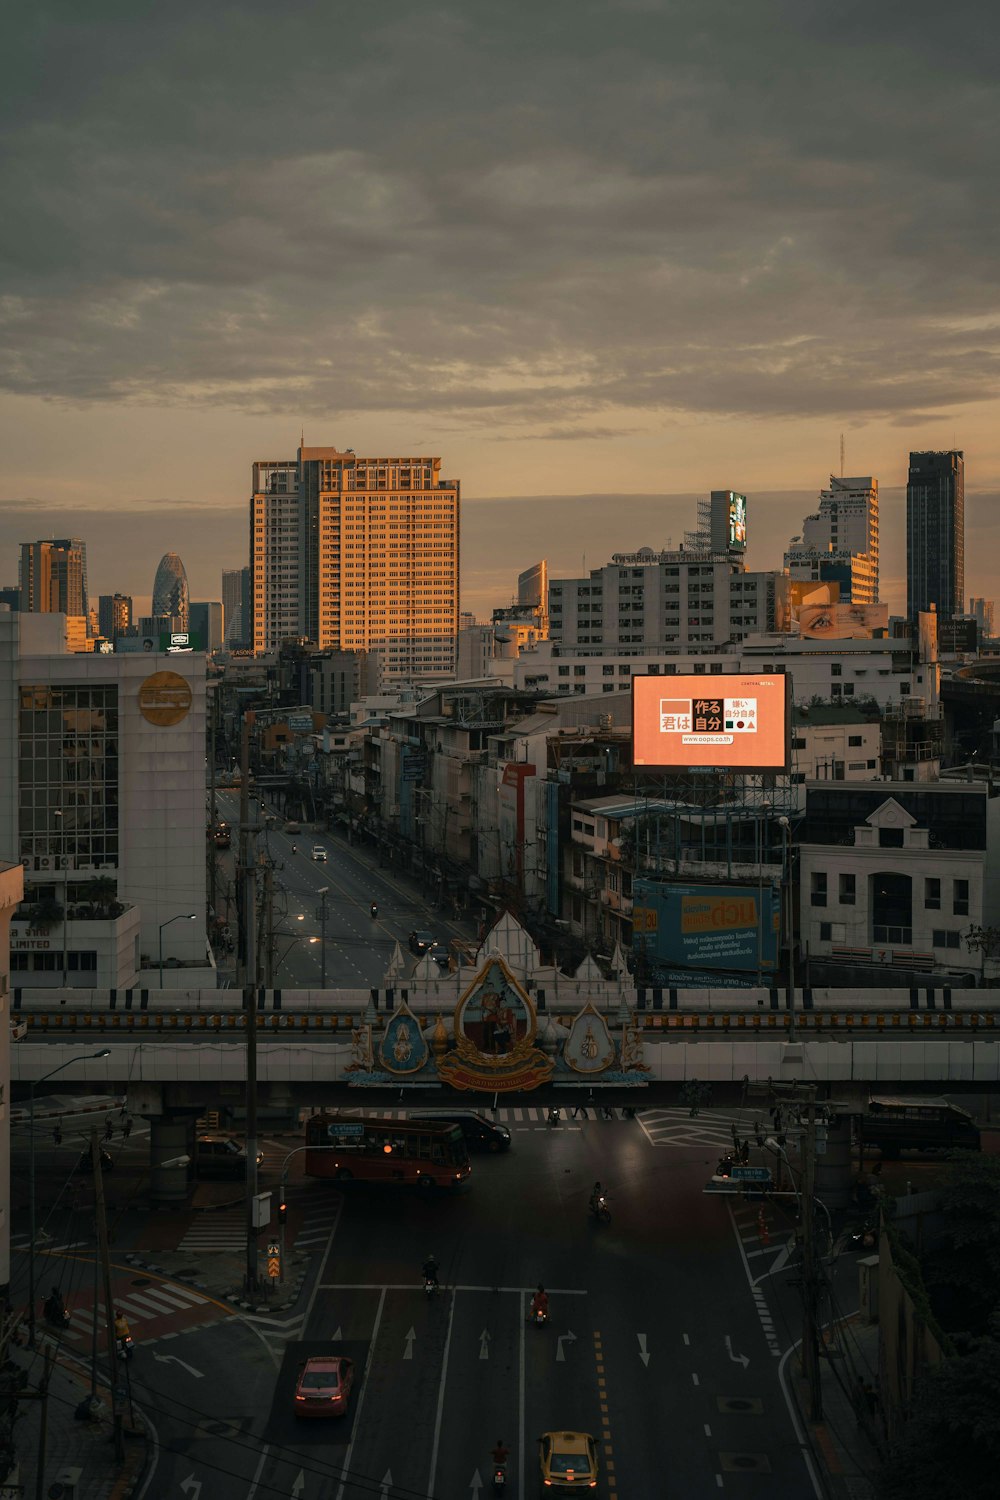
x,y
706,927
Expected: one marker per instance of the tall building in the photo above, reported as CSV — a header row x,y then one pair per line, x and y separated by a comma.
x,y
935,533
53,577
533,592
237,612
171,597
358,554
114,615
839,544
981,611
206,625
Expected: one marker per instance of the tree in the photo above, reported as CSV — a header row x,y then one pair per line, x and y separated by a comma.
x,y
950,1447
962,1272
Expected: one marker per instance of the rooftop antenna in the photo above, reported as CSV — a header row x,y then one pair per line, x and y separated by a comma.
x,y
841,455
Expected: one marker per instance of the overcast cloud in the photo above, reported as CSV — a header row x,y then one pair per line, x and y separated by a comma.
x,y
580,248
524,215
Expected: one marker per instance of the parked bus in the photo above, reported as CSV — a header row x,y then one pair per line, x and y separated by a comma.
x,y
429,1153
897,1123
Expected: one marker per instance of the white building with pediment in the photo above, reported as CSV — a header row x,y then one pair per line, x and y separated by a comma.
x,y
896,874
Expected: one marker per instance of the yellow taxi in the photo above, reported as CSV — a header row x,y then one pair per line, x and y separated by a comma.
x,y
568,1460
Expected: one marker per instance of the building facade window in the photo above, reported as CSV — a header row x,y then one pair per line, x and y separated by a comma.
x,y
68,777
960,898
932,893
817,888
848,889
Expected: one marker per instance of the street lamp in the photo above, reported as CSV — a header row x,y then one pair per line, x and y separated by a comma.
x,y
184,916
86,1057
785,825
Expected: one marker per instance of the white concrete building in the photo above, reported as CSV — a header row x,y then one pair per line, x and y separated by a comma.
x,y
896,874
102,801
839,543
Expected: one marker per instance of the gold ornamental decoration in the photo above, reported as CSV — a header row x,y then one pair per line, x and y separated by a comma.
x,y
494,1036
165,699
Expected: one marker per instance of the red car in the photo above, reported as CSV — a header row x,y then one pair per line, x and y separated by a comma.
x,y
323,1387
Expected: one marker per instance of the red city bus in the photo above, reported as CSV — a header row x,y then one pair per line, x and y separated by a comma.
x,y
430,1153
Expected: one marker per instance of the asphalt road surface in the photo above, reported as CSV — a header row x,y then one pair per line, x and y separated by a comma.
x,y
658,1344
358,948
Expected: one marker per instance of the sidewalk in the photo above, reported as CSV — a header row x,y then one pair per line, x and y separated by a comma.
x,y
75,1450
848,1443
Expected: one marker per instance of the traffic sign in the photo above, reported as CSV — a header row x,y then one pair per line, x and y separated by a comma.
x,y
273,1262
339,1131
750,1174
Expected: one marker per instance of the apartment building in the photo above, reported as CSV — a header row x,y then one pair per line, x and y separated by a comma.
x,y
358,554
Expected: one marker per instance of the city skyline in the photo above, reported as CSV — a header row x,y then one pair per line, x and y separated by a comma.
x,y
650,268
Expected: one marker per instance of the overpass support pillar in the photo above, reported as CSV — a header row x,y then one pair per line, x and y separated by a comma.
x,y
168,1140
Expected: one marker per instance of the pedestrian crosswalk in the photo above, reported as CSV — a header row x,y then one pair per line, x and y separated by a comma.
x,y
527,1116
156,1301
213,1232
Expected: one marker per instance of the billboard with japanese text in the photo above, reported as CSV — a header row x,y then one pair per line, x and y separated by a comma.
x,y
722,722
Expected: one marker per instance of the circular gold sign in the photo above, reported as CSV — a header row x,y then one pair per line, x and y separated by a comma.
x,y
164,698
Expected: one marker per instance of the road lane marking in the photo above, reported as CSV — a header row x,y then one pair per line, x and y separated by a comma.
x,y
346,1469
440,1403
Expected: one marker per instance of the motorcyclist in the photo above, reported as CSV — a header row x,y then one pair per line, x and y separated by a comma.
x,y
540,1302
295,848
55,1308
595,1197
500,1454
374,908
430,1270
121,1326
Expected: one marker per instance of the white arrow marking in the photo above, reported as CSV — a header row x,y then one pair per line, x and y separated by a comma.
x,y
386,1484
643,1355
475,1484
408,1351
337,1335
299,1485
569,1338
193,1485
737,1359
484,1345
171,1359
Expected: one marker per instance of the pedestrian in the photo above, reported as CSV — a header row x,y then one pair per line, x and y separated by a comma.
x,y
127,1128
575,1112
57,1134
607,1111
745,1153
109,1129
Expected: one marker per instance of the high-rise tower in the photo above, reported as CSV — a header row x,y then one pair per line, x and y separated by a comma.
x,y
839,544
54,577
935,533
358,554
171,596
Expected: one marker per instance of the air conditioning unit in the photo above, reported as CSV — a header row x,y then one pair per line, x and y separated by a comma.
x,y
44,862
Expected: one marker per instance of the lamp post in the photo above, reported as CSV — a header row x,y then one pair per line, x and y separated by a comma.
x,y
184,916
322,893
87,1057
785,825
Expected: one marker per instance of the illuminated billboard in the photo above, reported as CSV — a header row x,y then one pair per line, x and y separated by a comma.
x,y
842,622
706,927
737,520
723,722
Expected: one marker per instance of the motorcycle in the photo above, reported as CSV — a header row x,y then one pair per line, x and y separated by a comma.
x,y
600,1210
56,1314
125,1346
431,1286
499,1477
553,1116
374,910
539,1317
864,1236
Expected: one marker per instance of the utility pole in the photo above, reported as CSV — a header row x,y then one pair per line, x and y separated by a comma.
x,y
323,892
250,982
268,925
109,1310
810,1277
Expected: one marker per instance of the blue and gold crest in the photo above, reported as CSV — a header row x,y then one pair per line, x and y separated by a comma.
x,y
589,1048
402,1048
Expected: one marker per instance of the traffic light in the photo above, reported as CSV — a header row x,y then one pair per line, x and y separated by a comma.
x,y
282,1211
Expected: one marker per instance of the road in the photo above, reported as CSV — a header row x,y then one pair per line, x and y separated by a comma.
x,y
658,1344
358,948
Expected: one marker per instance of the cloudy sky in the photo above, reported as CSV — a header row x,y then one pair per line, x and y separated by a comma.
x,y
615,251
